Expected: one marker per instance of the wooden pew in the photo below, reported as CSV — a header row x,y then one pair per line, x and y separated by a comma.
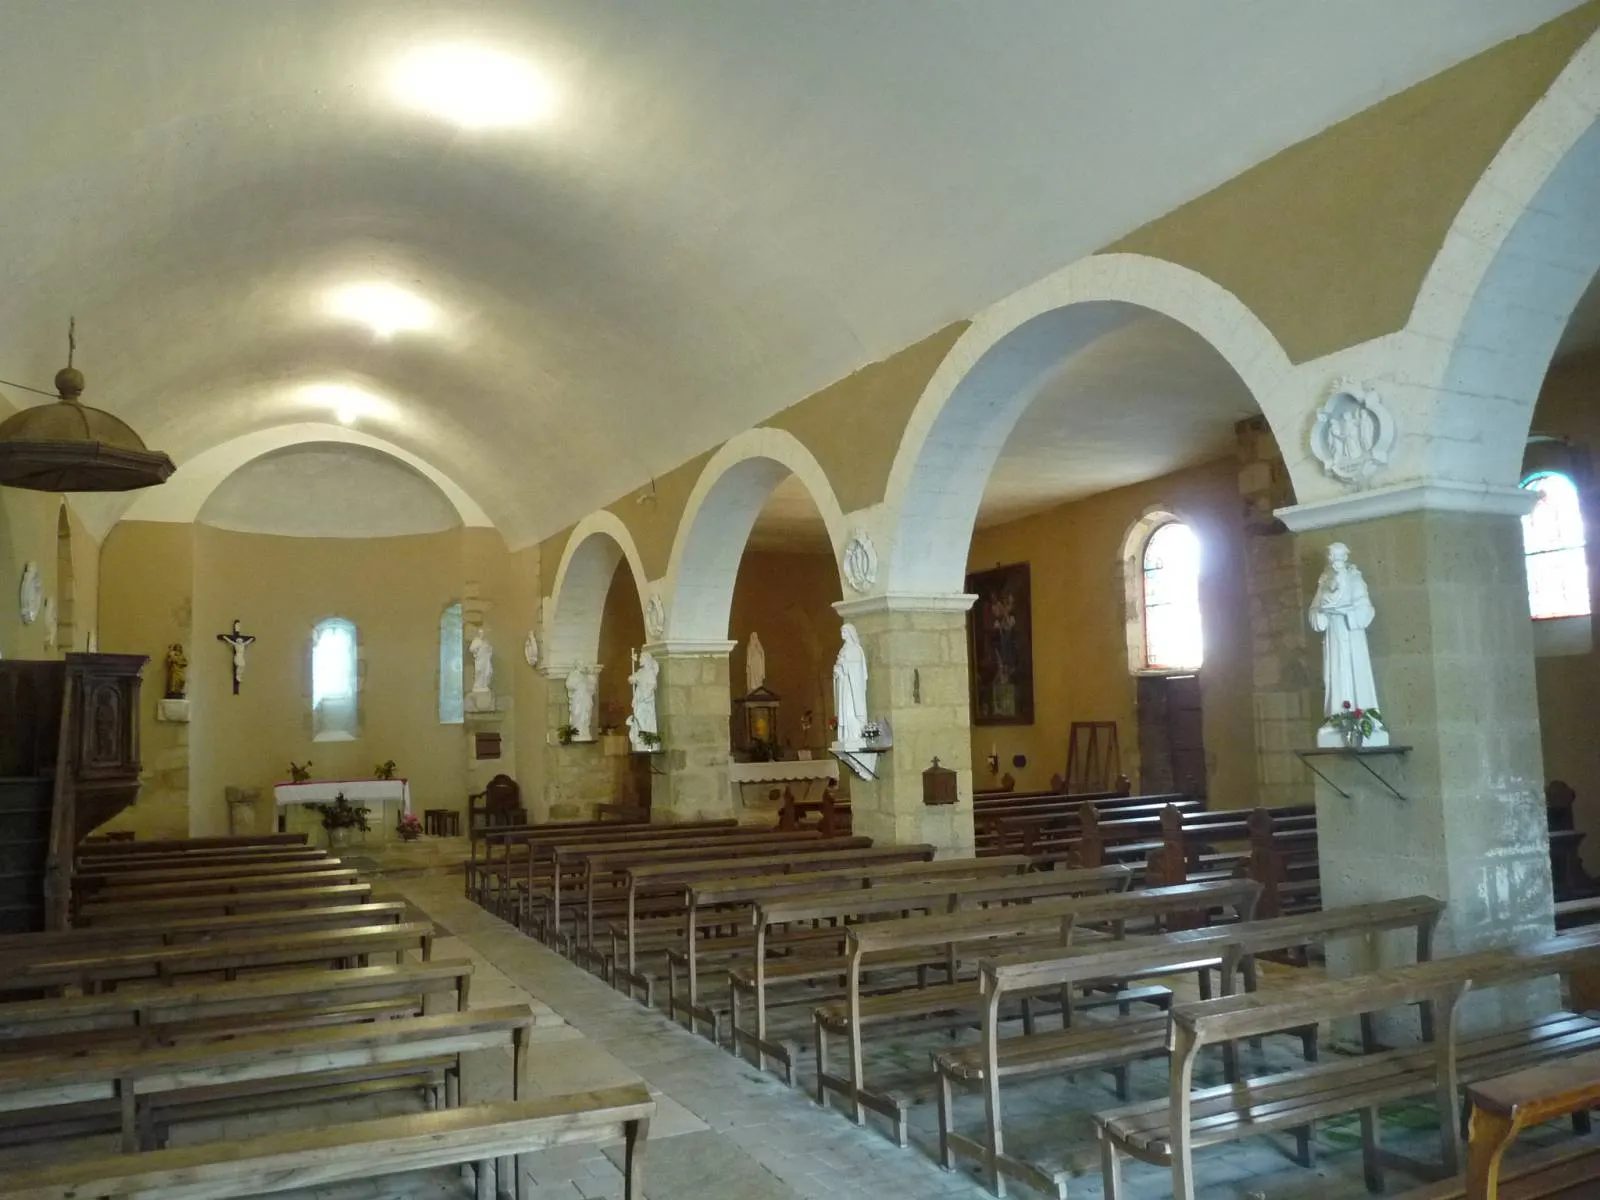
x,y
959,937
665,883
754,978
480,1134
199,845
728,903
1283,860
1167,1131
135,863
196,1012
92,881
484,841
94,971
226,885
1102,1046
1051,826
149,1088
133,912
16,946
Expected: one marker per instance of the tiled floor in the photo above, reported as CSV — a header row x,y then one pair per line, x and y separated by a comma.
x,y
726,1131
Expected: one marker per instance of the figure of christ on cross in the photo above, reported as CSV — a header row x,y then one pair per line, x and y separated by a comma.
x,y
238,641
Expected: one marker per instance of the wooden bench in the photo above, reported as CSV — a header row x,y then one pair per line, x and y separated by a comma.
x,y
1052,824
148,1089
1166,1132
962,936
826,960
94,883
512,841
290,1000
95,971
1229,948
665,884
1200,845
198,845
125,913
1283,860
134,863
480,1134
230,883
726,904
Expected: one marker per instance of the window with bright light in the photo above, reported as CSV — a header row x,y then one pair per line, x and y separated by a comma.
x,y
334,685
1172,632
451,700
1553,543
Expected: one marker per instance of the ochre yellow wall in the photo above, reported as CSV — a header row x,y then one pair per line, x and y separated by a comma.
x,y
1080,654
528,686
621,633
788,599
1328,241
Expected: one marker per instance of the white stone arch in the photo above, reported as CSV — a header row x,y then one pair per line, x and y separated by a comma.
x,y
578,594
716,525
991,375
1499,295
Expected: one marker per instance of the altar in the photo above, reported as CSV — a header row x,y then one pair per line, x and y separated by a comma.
x,y
380,795
814,773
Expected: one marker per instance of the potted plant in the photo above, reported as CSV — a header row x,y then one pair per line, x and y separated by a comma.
x,y
384,770
1354,724
651,740
409,828
566,733
340,817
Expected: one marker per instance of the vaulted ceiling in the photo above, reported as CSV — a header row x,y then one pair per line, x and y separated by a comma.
x,y
660,223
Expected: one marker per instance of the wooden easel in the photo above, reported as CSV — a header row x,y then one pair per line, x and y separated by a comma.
x,y
1093,758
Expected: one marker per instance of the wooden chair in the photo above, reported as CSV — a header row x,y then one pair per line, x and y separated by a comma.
x,y
500,803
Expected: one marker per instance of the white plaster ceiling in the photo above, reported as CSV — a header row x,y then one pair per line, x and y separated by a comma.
x,y
329,489
733,203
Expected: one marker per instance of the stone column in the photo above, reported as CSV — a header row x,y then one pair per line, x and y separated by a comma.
x,y
693,708
916,679
1453,655
577,776
1287,689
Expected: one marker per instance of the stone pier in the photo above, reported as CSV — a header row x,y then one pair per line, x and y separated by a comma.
x,y
693,702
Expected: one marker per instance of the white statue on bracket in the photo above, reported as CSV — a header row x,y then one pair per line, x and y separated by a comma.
x,y
1341,611
481,698
642,720
850,691
581,685
1353,434
755,664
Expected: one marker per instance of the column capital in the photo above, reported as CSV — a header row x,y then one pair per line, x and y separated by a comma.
x,y
688,647
560,670
1435,495
905,602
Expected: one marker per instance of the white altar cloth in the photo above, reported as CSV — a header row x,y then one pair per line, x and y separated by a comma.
x,y
357,791
807,771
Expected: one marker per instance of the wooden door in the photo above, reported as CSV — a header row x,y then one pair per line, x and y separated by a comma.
x,y
1172,755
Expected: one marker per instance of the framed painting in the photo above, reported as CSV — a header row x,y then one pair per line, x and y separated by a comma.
x,y
1000,646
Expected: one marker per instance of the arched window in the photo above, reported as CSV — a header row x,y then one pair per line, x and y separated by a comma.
x,y
1171,599
451,634
334,683
1553,546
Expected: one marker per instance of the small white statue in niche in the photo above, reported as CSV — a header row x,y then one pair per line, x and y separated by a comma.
x,y
850,691
1353,434
1341,611
755,664
643,720
581,685
482,663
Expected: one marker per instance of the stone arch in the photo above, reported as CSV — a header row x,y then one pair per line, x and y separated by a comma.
x,y
717,521
578,595
990,376
1517,259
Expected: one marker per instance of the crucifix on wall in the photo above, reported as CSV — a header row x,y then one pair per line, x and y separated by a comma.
x,y
237,641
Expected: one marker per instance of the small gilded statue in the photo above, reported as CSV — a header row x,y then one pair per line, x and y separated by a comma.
x,y
384,770
299,773
177,672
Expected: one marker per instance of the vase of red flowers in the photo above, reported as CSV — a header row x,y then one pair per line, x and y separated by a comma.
x,y
1354,725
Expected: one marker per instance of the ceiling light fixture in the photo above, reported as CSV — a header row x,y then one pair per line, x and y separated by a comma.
x,y
383,308
348,403
472,86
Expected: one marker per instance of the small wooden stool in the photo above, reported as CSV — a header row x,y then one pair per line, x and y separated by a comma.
x,y
450,823
433,820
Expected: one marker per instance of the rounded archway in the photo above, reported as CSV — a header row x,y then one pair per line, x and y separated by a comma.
x,y
599,545
731,494
994,372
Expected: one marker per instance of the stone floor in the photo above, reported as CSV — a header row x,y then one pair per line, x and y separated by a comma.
x,y
726,1130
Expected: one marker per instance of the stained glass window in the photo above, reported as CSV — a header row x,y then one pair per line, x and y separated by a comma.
x,y
1553,542
1172,634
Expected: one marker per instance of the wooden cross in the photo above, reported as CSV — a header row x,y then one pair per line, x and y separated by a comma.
x,y
238,641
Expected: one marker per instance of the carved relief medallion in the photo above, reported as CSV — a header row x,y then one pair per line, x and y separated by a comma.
x,y
655,615
860,561
1353,433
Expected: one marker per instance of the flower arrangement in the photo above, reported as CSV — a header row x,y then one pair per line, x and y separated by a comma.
x,y
409,828
1355,724
651,739
384,770
341,814
299,773
566,733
